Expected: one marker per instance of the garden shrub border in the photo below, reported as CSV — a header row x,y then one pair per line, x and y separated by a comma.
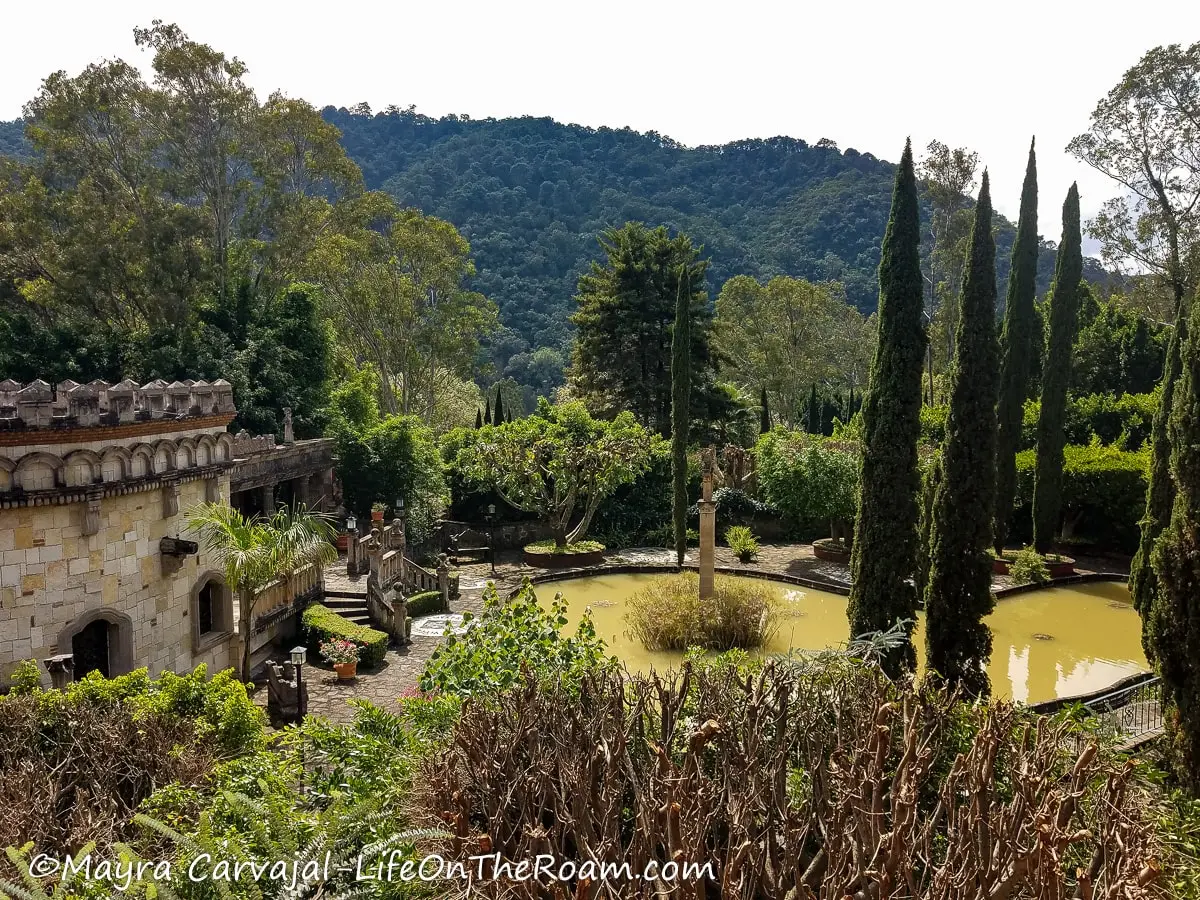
x,y
424,604
321,623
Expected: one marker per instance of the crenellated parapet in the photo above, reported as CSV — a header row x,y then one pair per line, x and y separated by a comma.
x,y
77,441
70,405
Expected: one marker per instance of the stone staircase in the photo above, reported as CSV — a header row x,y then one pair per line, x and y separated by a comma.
x,y
353,608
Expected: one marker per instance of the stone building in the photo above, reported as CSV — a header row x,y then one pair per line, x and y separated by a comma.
x,y
95,560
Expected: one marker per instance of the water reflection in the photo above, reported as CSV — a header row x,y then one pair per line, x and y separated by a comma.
x,y
1053,643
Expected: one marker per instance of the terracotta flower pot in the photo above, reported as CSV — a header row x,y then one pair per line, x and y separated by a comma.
x,y
377,515
346,671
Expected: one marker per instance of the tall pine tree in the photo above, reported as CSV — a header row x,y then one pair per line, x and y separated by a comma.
x,y
764,415
478,418
1056,377
1172,620
498,409
487,412
959,596
884,558
1021,328
681,387
1160,494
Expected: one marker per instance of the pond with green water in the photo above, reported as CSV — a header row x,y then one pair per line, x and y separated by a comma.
x,y
1057,642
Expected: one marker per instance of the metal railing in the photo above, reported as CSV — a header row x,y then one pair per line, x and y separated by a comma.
x,y
1134,712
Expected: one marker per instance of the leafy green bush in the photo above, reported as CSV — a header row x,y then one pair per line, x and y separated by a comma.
x,y
322,624
813,482
742,542
508,636
1028,567
425,603
635,513
381,458
933,423
1104,495
669,615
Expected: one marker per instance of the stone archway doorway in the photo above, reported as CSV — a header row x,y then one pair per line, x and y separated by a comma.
x,y
92,648
101,640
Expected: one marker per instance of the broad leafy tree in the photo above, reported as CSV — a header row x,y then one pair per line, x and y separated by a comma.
x,y
949,176
885,541
1145,135
787,335
399,299
557,462
959,594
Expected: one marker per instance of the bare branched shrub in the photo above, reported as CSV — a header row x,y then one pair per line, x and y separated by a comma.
x,y
668,614
75,774
794,781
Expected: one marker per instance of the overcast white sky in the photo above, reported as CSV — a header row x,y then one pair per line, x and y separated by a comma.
x,y
865,74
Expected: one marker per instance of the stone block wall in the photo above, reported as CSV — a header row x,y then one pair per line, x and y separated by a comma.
x,y
53,577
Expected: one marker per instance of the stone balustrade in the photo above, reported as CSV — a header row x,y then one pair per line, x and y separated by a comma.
x,y
247,444
279,598
37,405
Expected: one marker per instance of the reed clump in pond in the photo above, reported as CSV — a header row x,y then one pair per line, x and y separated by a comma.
x,y
668,614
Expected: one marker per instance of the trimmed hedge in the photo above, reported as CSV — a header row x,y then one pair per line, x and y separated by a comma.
x,y
322,624
1104,495
424,604
1123,420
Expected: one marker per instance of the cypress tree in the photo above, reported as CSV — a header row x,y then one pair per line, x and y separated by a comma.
x,y
884,557
1017,349
1160,494
681,386
478,417
814,415
959,595
764,422
487,413
498,409
508,413
1172,621
1056,377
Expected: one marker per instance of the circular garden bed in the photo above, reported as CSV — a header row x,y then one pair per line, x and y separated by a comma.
x,y
831,551
1057,566
544,555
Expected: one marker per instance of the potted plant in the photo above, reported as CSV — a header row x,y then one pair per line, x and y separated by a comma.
x,y
343,656
377,510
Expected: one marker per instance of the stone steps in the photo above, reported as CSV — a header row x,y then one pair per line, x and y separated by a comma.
x,y
353,607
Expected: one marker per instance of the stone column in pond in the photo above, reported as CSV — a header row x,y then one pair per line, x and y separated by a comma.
x,y
708,523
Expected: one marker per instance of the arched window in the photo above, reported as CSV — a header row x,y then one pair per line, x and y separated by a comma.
x,y
211,611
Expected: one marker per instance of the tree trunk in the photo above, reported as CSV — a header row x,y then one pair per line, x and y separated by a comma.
x,y
245,610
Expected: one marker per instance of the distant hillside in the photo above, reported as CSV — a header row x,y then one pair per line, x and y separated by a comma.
x,y
12,139
531,195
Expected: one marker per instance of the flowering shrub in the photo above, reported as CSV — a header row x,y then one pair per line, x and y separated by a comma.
x,y
339,651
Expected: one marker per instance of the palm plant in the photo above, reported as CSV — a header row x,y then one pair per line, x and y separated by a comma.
x,y
256,550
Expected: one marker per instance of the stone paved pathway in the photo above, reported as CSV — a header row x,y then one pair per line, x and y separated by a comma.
x,y
402,666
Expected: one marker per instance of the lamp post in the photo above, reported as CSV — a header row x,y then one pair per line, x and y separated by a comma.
x,y
351,546
299,655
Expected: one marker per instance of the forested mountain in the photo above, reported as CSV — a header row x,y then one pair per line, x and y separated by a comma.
x,y
531,195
